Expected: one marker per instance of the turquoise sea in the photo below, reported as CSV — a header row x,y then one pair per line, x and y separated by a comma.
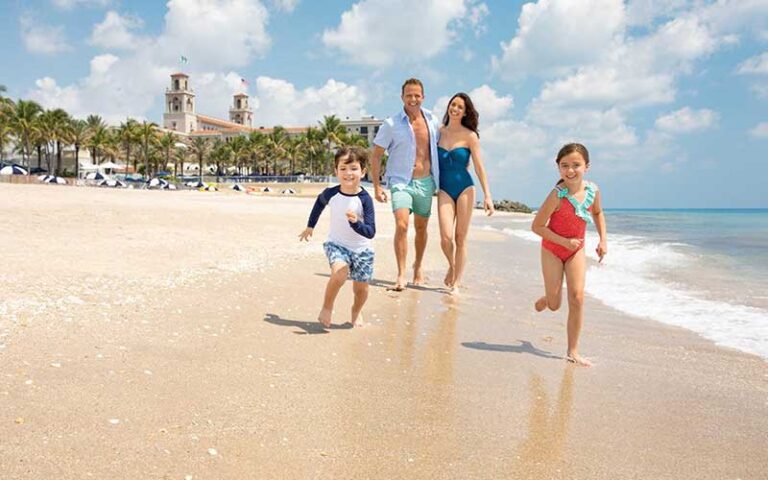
x,y
704,270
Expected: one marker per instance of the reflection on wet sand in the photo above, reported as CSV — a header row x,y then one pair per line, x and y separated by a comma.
x,y
541,454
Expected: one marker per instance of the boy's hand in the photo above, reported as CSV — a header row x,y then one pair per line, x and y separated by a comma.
x,y
306,234
351,216
573,244
602,250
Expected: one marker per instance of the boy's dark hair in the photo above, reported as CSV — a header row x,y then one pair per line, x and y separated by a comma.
x,y
412,81
349,155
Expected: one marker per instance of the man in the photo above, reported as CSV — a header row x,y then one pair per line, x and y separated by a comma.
x,y
410,139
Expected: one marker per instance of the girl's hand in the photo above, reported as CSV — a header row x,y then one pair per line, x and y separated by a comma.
x,y
602,249
351,216
573,244
488,206
306,234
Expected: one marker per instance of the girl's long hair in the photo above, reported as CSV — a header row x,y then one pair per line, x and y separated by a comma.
x,y
570,148
470,118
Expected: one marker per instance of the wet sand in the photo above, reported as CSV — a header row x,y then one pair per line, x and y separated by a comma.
x,y
172,335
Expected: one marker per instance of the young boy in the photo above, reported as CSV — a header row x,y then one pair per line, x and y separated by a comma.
x,y
348,248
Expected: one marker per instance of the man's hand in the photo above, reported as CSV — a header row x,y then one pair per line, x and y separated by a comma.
x,y
380,194
306,234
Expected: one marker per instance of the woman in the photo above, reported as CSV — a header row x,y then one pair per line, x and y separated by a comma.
x,y
459,141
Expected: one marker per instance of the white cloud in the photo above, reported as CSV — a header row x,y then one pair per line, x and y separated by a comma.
x,y
754,65
687,120
489,105
591,126
70,4
281,103
551,37
761,90
115,31
285,5
644,12
379,33
40,38
477,14
511,143
760,130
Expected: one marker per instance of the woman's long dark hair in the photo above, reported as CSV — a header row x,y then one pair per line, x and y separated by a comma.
x,y
470,118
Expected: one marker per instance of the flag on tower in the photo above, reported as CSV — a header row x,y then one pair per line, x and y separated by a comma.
x,y
244,82
184,59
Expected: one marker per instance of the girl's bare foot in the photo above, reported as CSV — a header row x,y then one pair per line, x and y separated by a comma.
x,y
577,359
325,317
540,304
448,281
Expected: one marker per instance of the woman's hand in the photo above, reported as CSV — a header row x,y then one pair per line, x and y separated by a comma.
x,y
488,206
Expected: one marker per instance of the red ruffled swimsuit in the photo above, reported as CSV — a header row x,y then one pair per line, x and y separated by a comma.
x,y
570,220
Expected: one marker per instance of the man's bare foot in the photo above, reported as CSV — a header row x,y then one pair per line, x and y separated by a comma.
x,y
577,359
325,317
448,281
454,291
540,304
418,275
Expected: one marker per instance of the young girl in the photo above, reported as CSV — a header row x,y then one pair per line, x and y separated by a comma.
x,y
561,222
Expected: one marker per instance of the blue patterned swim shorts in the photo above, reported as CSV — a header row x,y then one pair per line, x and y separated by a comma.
x,y
360,263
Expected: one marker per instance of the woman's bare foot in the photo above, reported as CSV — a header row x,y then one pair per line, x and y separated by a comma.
x,y
418,275
448,281
578,360
325,317
454,291
540,304
400,284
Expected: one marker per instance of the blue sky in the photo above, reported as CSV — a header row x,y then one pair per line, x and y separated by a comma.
x,y
670,96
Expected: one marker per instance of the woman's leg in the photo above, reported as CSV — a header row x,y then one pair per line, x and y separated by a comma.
x,y
575,271
552,272
464,206
446,214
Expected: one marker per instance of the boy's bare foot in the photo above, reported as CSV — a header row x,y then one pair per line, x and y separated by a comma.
x,y
540,304
448,281
418,275
356,320
577,359
325,317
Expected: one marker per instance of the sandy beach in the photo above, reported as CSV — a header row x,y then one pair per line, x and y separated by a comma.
x,y
172,335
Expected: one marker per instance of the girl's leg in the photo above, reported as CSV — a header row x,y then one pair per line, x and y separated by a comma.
x,y
575,271
360,289
339,272
446,214
464,206
552,272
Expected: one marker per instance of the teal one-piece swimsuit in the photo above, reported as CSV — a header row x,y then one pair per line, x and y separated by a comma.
x,y
454,176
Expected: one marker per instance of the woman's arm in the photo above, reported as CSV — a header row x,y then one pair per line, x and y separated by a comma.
x,y
477,160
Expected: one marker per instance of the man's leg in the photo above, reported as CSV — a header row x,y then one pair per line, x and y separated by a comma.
x,y
420,225
401,245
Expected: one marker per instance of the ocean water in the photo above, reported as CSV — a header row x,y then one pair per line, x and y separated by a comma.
x,y
704,270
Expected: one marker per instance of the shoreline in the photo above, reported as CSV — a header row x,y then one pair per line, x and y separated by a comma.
x,y
222,352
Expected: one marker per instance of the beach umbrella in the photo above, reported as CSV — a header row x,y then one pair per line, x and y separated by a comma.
x,y
211,188
195,184
168,186
42,178
13,170
237,187
266,189
55,180
94,176
112,183
288,191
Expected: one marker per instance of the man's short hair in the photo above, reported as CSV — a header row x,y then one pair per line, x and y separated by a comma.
x,y
349,155
412,81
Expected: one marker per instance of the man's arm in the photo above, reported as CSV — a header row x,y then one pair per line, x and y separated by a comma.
x,y
379,192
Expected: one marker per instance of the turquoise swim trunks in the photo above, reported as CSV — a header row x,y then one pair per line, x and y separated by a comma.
x,y
416,196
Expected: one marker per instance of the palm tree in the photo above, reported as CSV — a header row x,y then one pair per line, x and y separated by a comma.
x,y
79,136
256,148
59,121
128,135
179,157
167,143
222,152
5,137
96,141
292,152
95,123
275,145
22,122
239,149
332,131
148,138
312,146
199,148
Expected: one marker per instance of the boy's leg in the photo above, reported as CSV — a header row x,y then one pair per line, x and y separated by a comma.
x,y
339,272
575,271
552,272
360,289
